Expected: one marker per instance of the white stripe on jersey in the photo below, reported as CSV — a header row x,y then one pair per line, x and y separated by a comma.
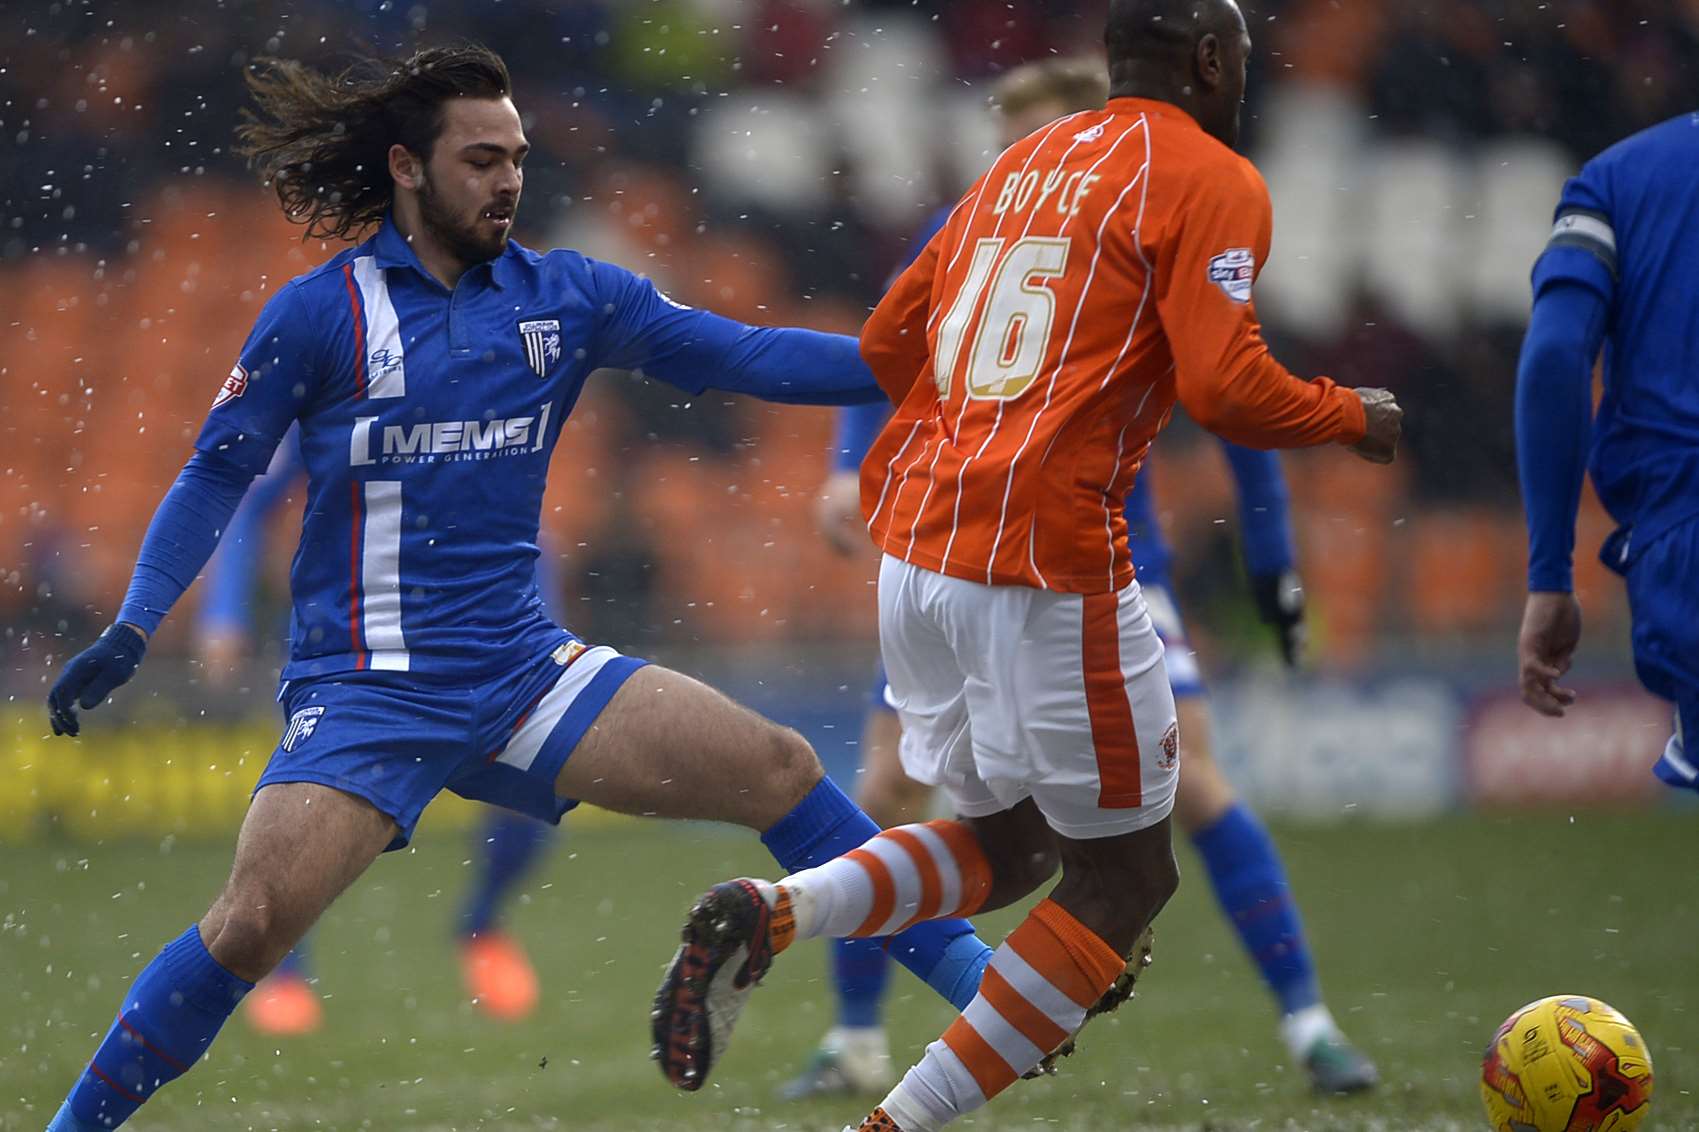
x,y
380,576
388,377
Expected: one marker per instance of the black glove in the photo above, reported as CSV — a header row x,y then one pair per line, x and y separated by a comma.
x,y
92,675
1280,604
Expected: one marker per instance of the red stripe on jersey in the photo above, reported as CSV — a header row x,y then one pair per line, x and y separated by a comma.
x,y
356,597
1112,734
359,332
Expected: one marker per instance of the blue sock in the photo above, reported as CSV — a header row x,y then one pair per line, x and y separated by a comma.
x,y
945,954
860,970
1251,885
168,1018
508,845
295,963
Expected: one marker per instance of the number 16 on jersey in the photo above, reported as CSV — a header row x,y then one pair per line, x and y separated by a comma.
x,y
1012,333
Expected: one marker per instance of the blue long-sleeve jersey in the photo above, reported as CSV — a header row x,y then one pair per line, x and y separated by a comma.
x,y
428,418
1264,516
227,587
1620,268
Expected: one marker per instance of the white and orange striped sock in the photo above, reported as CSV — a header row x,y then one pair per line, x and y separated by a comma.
x,y
1034,994
899,878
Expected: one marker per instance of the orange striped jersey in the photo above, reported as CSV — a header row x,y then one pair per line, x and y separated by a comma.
x,y
1101,269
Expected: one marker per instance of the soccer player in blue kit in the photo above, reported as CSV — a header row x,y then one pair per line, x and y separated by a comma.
x,y
1242,861
495,969
1619,272
429,370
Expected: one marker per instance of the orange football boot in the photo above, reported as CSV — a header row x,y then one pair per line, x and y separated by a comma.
x,y
284,1005
499,975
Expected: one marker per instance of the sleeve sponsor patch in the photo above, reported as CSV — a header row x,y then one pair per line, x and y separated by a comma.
x,y
234,386
1234,270
1586,231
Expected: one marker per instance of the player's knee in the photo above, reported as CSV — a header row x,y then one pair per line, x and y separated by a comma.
x,y
1118,890
249,931
792,767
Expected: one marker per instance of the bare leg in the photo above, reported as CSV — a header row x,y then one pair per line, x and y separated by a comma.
x,y
889,796
301,845
669,746
1203,793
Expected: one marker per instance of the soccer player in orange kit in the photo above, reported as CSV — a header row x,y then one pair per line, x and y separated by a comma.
x,y
1100,271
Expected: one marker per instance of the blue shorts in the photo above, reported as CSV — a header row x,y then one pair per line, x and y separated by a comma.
x,y
1184,677
398,740
1663,602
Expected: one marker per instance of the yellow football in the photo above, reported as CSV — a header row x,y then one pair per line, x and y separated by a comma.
x,y
1567,1064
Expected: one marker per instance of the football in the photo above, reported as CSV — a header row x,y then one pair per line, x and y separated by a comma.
x,y
1568,1063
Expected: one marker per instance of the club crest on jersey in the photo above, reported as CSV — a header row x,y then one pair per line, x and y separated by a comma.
x,y
234,386
541,337
1234,270
301,727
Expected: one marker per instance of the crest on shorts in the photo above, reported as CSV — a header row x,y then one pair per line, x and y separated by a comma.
x,y
234,386
1170,757
301,727
568,653
541,338
1234,270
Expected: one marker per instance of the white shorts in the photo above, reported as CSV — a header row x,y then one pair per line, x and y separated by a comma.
x,y
1008,692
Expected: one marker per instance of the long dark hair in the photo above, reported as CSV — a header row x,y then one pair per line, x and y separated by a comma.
x,y
322,141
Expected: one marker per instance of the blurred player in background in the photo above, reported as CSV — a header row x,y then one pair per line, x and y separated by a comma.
x,y
1244,866
493,965
430,370
1621,271
1100,271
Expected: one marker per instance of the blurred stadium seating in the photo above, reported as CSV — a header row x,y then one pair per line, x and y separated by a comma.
x,y
768,158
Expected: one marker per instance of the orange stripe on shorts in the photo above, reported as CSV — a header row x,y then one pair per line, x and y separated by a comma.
x,y
989,1070
1112,734
1033,1024
884,891
931,884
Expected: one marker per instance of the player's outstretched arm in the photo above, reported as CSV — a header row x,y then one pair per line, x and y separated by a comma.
x,y
275,377
179,541
697,350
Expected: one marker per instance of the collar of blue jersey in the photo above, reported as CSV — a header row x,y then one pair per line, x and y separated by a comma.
x,y
391,249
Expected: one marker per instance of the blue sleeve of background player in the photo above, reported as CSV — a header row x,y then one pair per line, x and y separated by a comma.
x,y
857,428
272,381
227,586
1574,284
697,350
1265,521
858,425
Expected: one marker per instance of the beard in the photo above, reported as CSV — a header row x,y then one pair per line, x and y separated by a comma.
x,y
460,238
